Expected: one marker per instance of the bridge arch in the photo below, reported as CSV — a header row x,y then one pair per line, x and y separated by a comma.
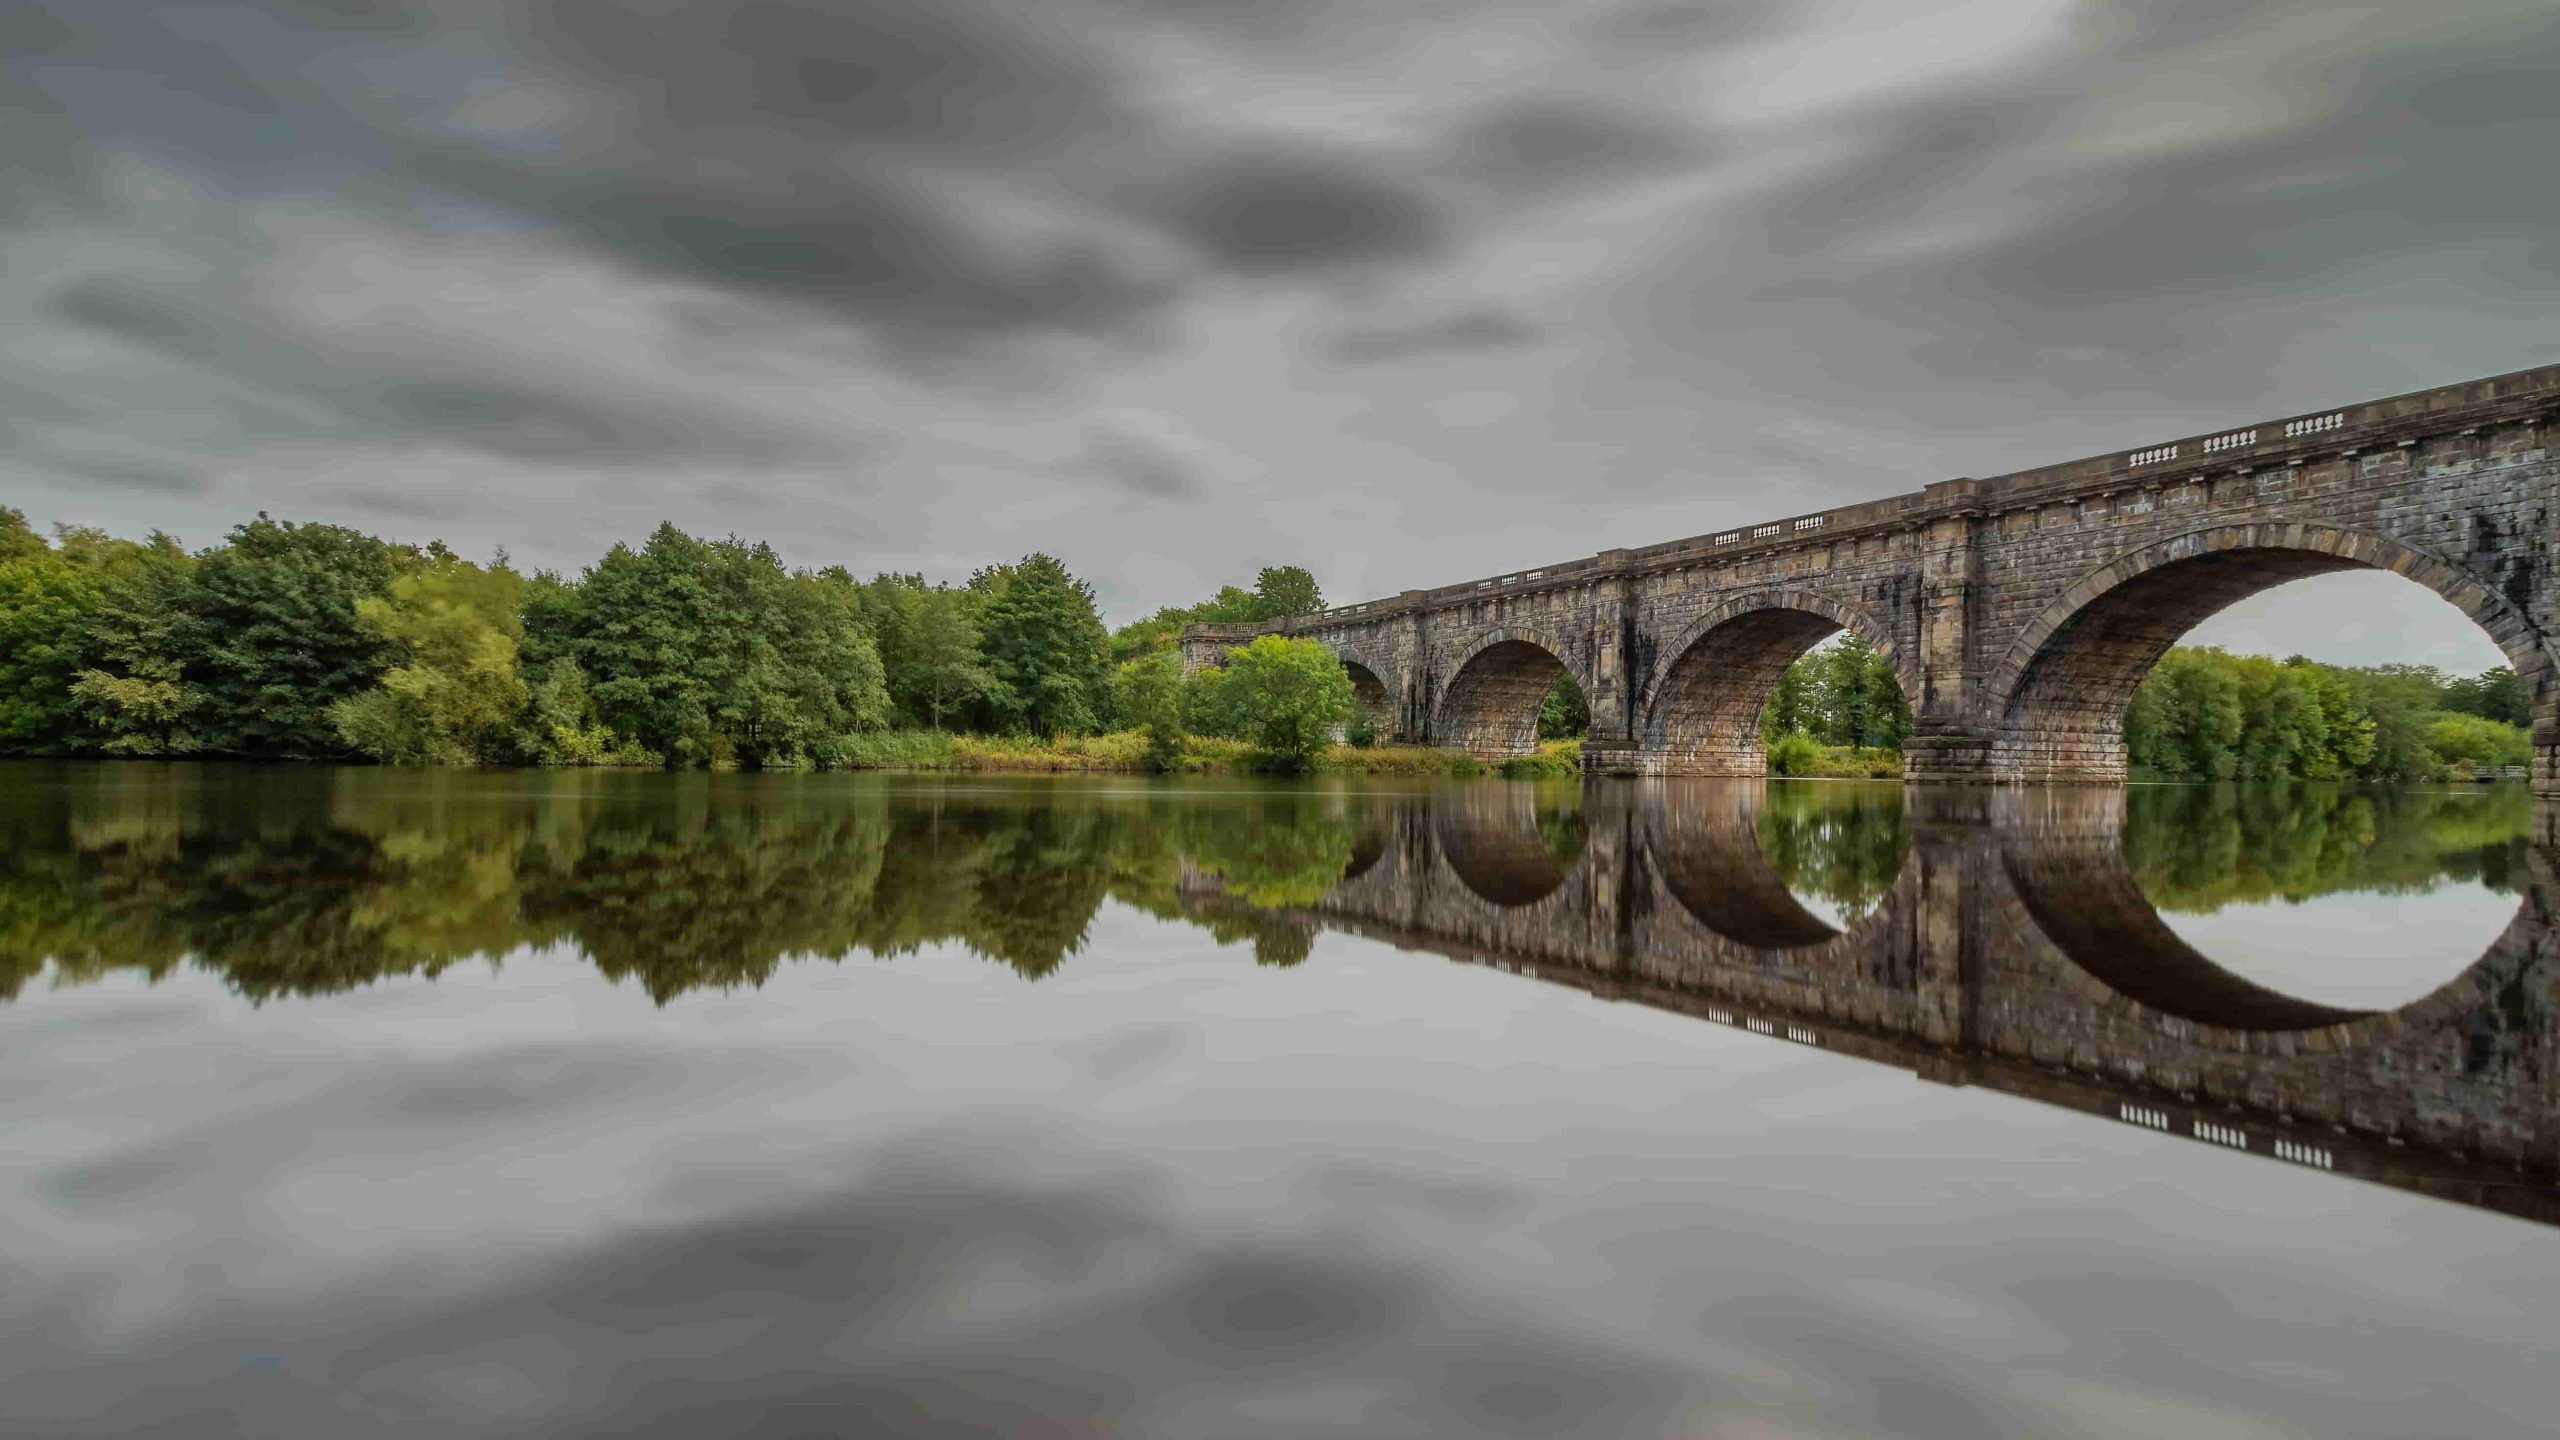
x,y
1490,691
2059,693
1702,711
1374,688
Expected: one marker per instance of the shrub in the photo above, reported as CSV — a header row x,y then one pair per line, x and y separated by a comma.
x,y
1794,753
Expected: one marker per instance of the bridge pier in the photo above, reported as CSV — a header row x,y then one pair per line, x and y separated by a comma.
x,y
1948,754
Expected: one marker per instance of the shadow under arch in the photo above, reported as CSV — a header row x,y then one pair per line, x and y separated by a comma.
x,y
1702,711
1704,839
1505,846
1371,698
2064,856
2060,691
1488,705
1368,846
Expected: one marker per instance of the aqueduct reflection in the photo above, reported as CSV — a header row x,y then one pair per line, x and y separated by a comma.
x,y
2002,937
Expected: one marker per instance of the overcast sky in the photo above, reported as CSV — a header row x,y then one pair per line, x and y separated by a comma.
x,y
1174,289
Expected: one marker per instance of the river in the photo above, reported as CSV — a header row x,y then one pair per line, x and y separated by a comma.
x,y
344,1101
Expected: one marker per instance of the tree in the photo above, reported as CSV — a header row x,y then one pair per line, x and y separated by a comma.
x,y
46,604
709,652
1285,590
1792,706
267,632
2492,695
928,639
18,539
2461,743
1291,696
830,668
1565,714
1044,645
456,693
1151,694
640,627
133,695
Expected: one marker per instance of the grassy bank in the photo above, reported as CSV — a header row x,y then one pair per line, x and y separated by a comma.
x,y
1126,751
1835,762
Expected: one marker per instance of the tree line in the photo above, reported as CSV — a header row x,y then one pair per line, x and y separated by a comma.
x,y
2205,714
315,641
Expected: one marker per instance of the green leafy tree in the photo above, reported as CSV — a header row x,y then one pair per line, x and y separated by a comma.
x,y
1151,694
1044,645
1285,590
830,674
1565,713
1290,695
709,652
46,605
455,694
132,693
1792,707
2461,742
18,539
2492,695
268,633
928,639
640,628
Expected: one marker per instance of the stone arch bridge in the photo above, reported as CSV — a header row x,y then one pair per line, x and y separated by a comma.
x,y
2018,612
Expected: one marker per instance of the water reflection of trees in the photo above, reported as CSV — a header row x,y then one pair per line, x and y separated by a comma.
x,y
2196,849
321,883
1838,842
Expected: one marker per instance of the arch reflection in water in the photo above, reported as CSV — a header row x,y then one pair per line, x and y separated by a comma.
x,y
1510,845
2359,897
1779,866
2013,943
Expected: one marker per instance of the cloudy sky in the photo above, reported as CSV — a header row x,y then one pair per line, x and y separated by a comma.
x,y
1405,292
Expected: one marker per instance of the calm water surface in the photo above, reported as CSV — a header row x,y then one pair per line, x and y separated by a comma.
x,y
343,1102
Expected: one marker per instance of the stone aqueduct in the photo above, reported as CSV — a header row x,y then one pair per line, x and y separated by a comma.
x,y
2018,612
2014,950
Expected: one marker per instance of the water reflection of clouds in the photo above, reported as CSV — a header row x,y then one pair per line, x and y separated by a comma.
x,y
2359,950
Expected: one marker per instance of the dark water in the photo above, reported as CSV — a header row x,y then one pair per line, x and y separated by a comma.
x,y
354,1102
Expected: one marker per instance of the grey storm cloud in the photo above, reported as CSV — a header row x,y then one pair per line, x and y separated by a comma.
x,y
576,268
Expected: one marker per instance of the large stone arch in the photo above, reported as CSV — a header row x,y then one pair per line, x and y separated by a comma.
x,y
1701,712
2058,694
1376,687
1488,692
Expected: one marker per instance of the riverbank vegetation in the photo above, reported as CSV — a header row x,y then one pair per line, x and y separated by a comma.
x,y
2202,714
318,642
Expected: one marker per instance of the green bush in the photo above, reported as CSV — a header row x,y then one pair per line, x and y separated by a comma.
x,y
1794,753
2460,743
